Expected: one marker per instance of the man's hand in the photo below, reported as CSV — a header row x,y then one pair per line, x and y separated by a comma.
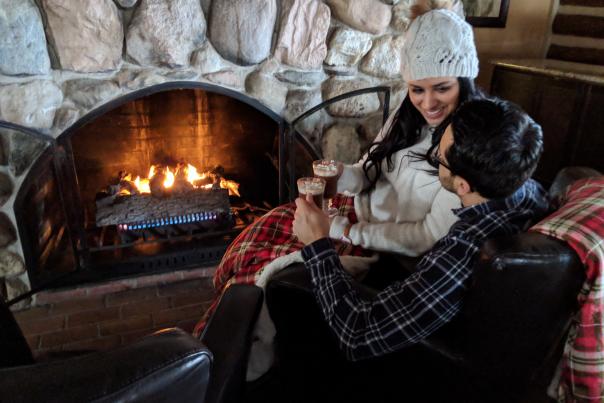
x,y
310,222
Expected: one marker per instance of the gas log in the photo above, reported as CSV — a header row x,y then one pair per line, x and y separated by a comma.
x,y
146,208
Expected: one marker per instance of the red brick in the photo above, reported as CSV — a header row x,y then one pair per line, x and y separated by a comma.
x,y
180,287
165,278
204,272
133,295
126,325
50,297
131,337
77,305
172,316
39,326
139,308
37,312
191,299
105,343
110,288
82,318
86,332
187,325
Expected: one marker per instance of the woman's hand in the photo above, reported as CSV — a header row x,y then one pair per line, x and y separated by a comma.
x,y
310,222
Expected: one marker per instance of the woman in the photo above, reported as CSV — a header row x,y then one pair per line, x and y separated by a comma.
x,y
399,206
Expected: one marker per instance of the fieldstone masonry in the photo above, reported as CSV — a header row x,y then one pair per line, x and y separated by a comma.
x,y
61,59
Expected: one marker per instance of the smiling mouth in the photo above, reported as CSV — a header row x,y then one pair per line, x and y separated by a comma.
x,y
434,114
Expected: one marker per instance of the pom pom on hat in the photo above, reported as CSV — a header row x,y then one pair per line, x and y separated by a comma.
x,y
438,43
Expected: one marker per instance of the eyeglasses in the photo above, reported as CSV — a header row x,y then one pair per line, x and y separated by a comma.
x,y
436,160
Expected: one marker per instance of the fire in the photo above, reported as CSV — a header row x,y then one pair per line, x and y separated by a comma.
x,y
174,177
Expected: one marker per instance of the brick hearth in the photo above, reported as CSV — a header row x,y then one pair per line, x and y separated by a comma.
x,y
107,315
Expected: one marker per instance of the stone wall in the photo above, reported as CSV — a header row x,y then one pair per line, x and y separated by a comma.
x,y
60,59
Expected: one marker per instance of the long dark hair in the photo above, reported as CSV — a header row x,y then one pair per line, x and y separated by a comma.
x,y
405,131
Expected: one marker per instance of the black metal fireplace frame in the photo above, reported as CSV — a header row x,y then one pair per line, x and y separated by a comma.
x,y
59,155
60,151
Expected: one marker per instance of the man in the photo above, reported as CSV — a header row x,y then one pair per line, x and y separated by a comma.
x,y
485,156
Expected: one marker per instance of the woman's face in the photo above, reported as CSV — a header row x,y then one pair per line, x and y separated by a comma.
x,y
435,98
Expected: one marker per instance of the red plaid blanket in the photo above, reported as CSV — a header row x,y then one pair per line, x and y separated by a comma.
x,y
580,222
263,241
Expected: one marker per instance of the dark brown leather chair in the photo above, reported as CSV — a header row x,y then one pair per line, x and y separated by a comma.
x,y
504,346
167,366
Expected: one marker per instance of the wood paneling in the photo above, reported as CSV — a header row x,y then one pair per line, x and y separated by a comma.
x,y
569,111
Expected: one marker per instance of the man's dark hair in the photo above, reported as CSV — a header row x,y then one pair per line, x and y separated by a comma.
x,y
496,146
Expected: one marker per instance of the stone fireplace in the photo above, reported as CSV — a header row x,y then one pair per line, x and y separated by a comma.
x,y
72,71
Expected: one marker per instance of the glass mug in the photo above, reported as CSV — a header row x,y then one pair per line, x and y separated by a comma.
x,y
329,171
313,186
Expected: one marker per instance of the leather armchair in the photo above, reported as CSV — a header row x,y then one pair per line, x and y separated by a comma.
x,y
167,366
504,345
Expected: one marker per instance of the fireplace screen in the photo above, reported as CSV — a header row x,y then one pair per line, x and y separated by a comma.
x,y
161,180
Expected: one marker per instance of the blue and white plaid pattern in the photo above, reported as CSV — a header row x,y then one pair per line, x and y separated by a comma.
x,y
410,310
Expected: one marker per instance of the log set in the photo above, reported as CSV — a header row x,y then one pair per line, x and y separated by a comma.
x,y
141,208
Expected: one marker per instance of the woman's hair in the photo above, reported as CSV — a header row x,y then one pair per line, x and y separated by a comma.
x,y
405,131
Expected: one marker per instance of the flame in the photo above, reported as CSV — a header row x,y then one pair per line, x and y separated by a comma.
x,y
232,186
170,174
142,185
169,181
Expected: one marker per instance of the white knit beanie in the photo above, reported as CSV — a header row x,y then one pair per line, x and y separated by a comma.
x,y
439,43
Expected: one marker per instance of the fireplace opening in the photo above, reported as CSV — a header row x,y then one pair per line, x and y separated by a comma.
x,y
177,133
96,235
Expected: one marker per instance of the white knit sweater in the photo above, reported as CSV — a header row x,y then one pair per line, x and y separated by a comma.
x,y
407,212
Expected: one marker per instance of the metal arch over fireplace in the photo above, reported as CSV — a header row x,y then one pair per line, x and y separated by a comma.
x,y
179,85
59,159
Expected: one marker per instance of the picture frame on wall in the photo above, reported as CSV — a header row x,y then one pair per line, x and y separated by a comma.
x,y
486,13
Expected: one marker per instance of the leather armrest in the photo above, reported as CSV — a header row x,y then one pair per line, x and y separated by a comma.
x,y
228,335
518,309
157,368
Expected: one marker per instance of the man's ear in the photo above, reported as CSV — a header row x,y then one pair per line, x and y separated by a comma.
x,y
462,187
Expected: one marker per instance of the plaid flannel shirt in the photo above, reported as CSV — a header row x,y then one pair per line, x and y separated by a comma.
x,y
410,310
580,222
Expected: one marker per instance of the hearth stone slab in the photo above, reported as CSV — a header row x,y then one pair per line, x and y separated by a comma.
x,y
22,41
